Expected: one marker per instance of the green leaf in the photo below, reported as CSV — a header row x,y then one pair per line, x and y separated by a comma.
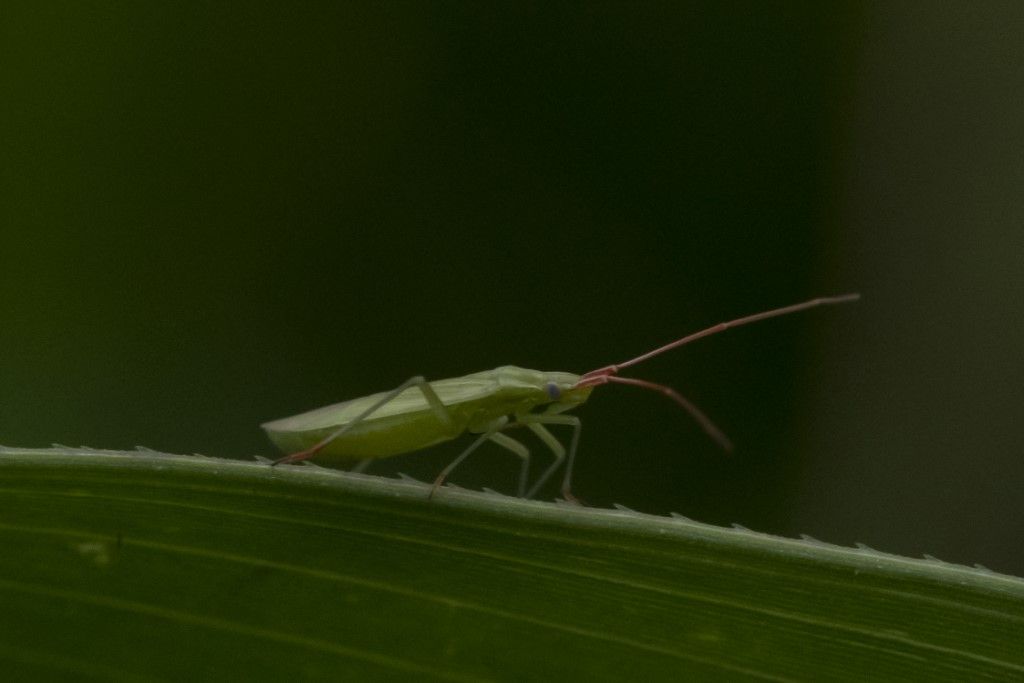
x,y
146,566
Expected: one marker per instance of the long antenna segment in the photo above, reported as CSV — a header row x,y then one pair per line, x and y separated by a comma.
x,y
609,373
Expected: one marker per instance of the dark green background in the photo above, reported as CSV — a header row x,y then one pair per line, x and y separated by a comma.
x,y
217,215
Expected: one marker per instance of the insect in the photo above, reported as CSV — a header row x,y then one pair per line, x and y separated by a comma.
x,y
418,413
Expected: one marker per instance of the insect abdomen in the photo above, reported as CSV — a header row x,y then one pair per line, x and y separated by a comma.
x,y
374,438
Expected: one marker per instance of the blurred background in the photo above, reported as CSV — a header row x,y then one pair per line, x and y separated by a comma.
x,y
216,215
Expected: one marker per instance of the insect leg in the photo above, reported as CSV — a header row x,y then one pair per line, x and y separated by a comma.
x,y
535,423
361,466
492,430
520,450
428,392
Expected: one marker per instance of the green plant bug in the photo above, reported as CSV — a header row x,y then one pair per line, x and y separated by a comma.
x,y
418,413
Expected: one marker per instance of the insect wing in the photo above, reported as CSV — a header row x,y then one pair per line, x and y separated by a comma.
x,y
450,391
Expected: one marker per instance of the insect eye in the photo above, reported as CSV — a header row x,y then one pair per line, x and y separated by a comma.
x,y
553,391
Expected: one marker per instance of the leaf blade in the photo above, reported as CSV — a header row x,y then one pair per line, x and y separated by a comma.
x,y
268,572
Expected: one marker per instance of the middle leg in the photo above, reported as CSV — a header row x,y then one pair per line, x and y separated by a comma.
x,y
493,433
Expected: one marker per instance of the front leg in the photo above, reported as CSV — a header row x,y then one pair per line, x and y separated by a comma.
x,y
536,422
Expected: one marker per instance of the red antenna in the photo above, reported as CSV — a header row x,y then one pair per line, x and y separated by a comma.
x,y
609,373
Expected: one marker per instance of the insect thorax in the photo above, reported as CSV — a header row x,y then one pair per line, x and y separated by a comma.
x,y
522,390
